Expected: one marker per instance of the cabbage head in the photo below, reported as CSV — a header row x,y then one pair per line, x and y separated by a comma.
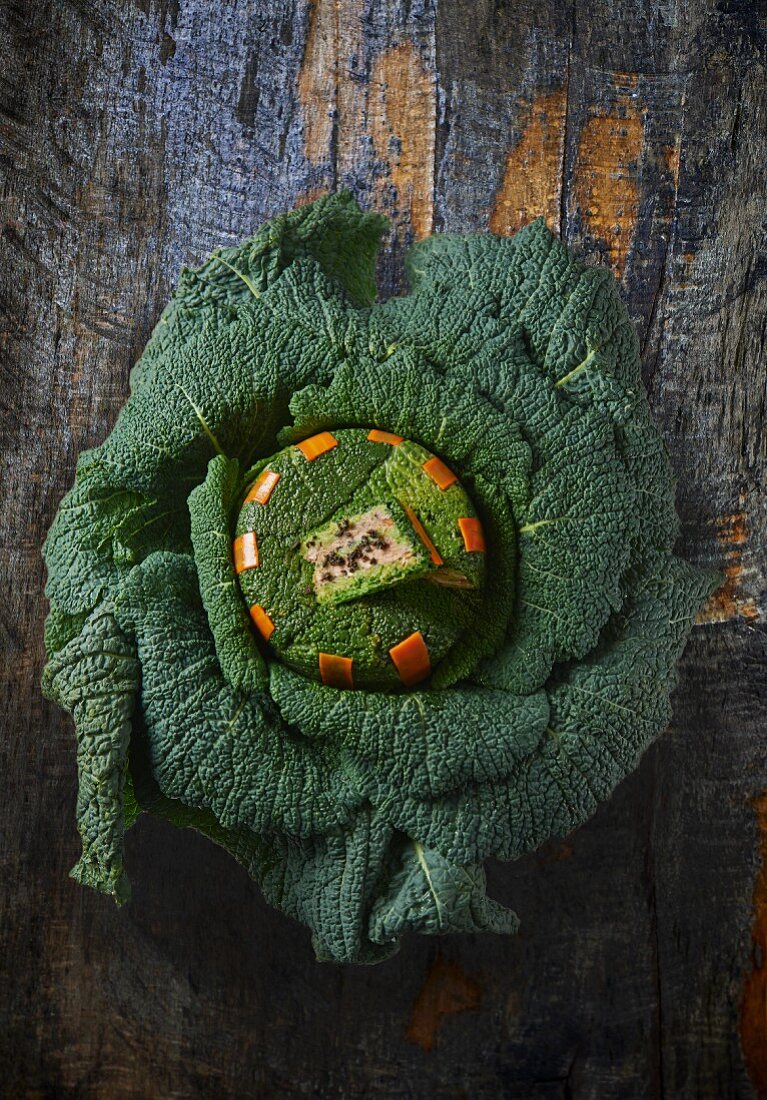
x,y
367,593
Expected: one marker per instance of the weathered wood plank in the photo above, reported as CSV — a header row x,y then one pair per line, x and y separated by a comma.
x,y
136,138
367,89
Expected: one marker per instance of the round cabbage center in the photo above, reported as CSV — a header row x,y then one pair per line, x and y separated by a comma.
x,y
361,558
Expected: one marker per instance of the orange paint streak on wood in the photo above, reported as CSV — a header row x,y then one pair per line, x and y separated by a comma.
x,y
730,601
263,488
411,659
753,1005
331,94
532,179
317,80
263,622
420,530
336,671
446,991
472,534
401,114
606,191
317,445
377,436
440,474
246,552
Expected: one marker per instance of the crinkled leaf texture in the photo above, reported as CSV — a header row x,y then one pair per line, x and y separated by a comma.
x,y
366,814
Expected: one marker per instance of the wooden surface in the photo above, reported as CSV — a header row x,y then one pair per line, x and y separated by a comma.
x,y
137,136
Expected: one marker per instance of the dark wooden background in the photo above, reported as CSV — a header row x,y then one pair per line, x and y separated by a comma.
x,y
136,136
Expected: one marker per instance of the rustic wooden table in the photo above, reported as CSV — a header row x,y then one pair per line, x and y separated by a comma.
x,y
137,136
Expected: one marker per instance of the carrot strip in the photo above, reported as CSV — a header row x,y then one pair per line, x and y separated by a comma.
x,y
264,624
245,552
336,671
376,436
263,488
411,659
317,445
421,532
472,534
442,476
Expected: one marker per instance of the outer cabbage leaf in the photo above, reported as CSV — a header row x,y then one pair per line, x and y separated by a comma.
x,y
100,531
61,627
472,291
129,497
316,325
211,506
605,711
327,881
333,231
95,676
574,547
218,394
429,894
424,742
215,378
566,310
214,748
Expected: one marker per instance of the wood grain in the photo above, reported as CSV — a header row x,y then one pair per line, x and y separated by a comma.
x,y
753,1005
136,137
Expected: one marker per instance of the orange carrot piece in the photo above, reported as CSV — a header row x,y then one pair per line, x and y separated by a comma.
x,y
472,534
264,624
421,532
317,445
411,659
336,671
263,488
376,436
245,552
442,476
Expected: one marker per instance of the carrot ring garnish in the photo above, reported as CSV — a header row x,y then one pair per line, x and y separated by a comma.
x,y
442,476
472,534
245,552
317,445
263,488
411,659
336,671
264,624
376,436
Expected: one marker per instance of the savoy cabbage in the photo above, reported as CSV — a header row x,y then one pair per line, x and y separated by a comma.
x,y
364,802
